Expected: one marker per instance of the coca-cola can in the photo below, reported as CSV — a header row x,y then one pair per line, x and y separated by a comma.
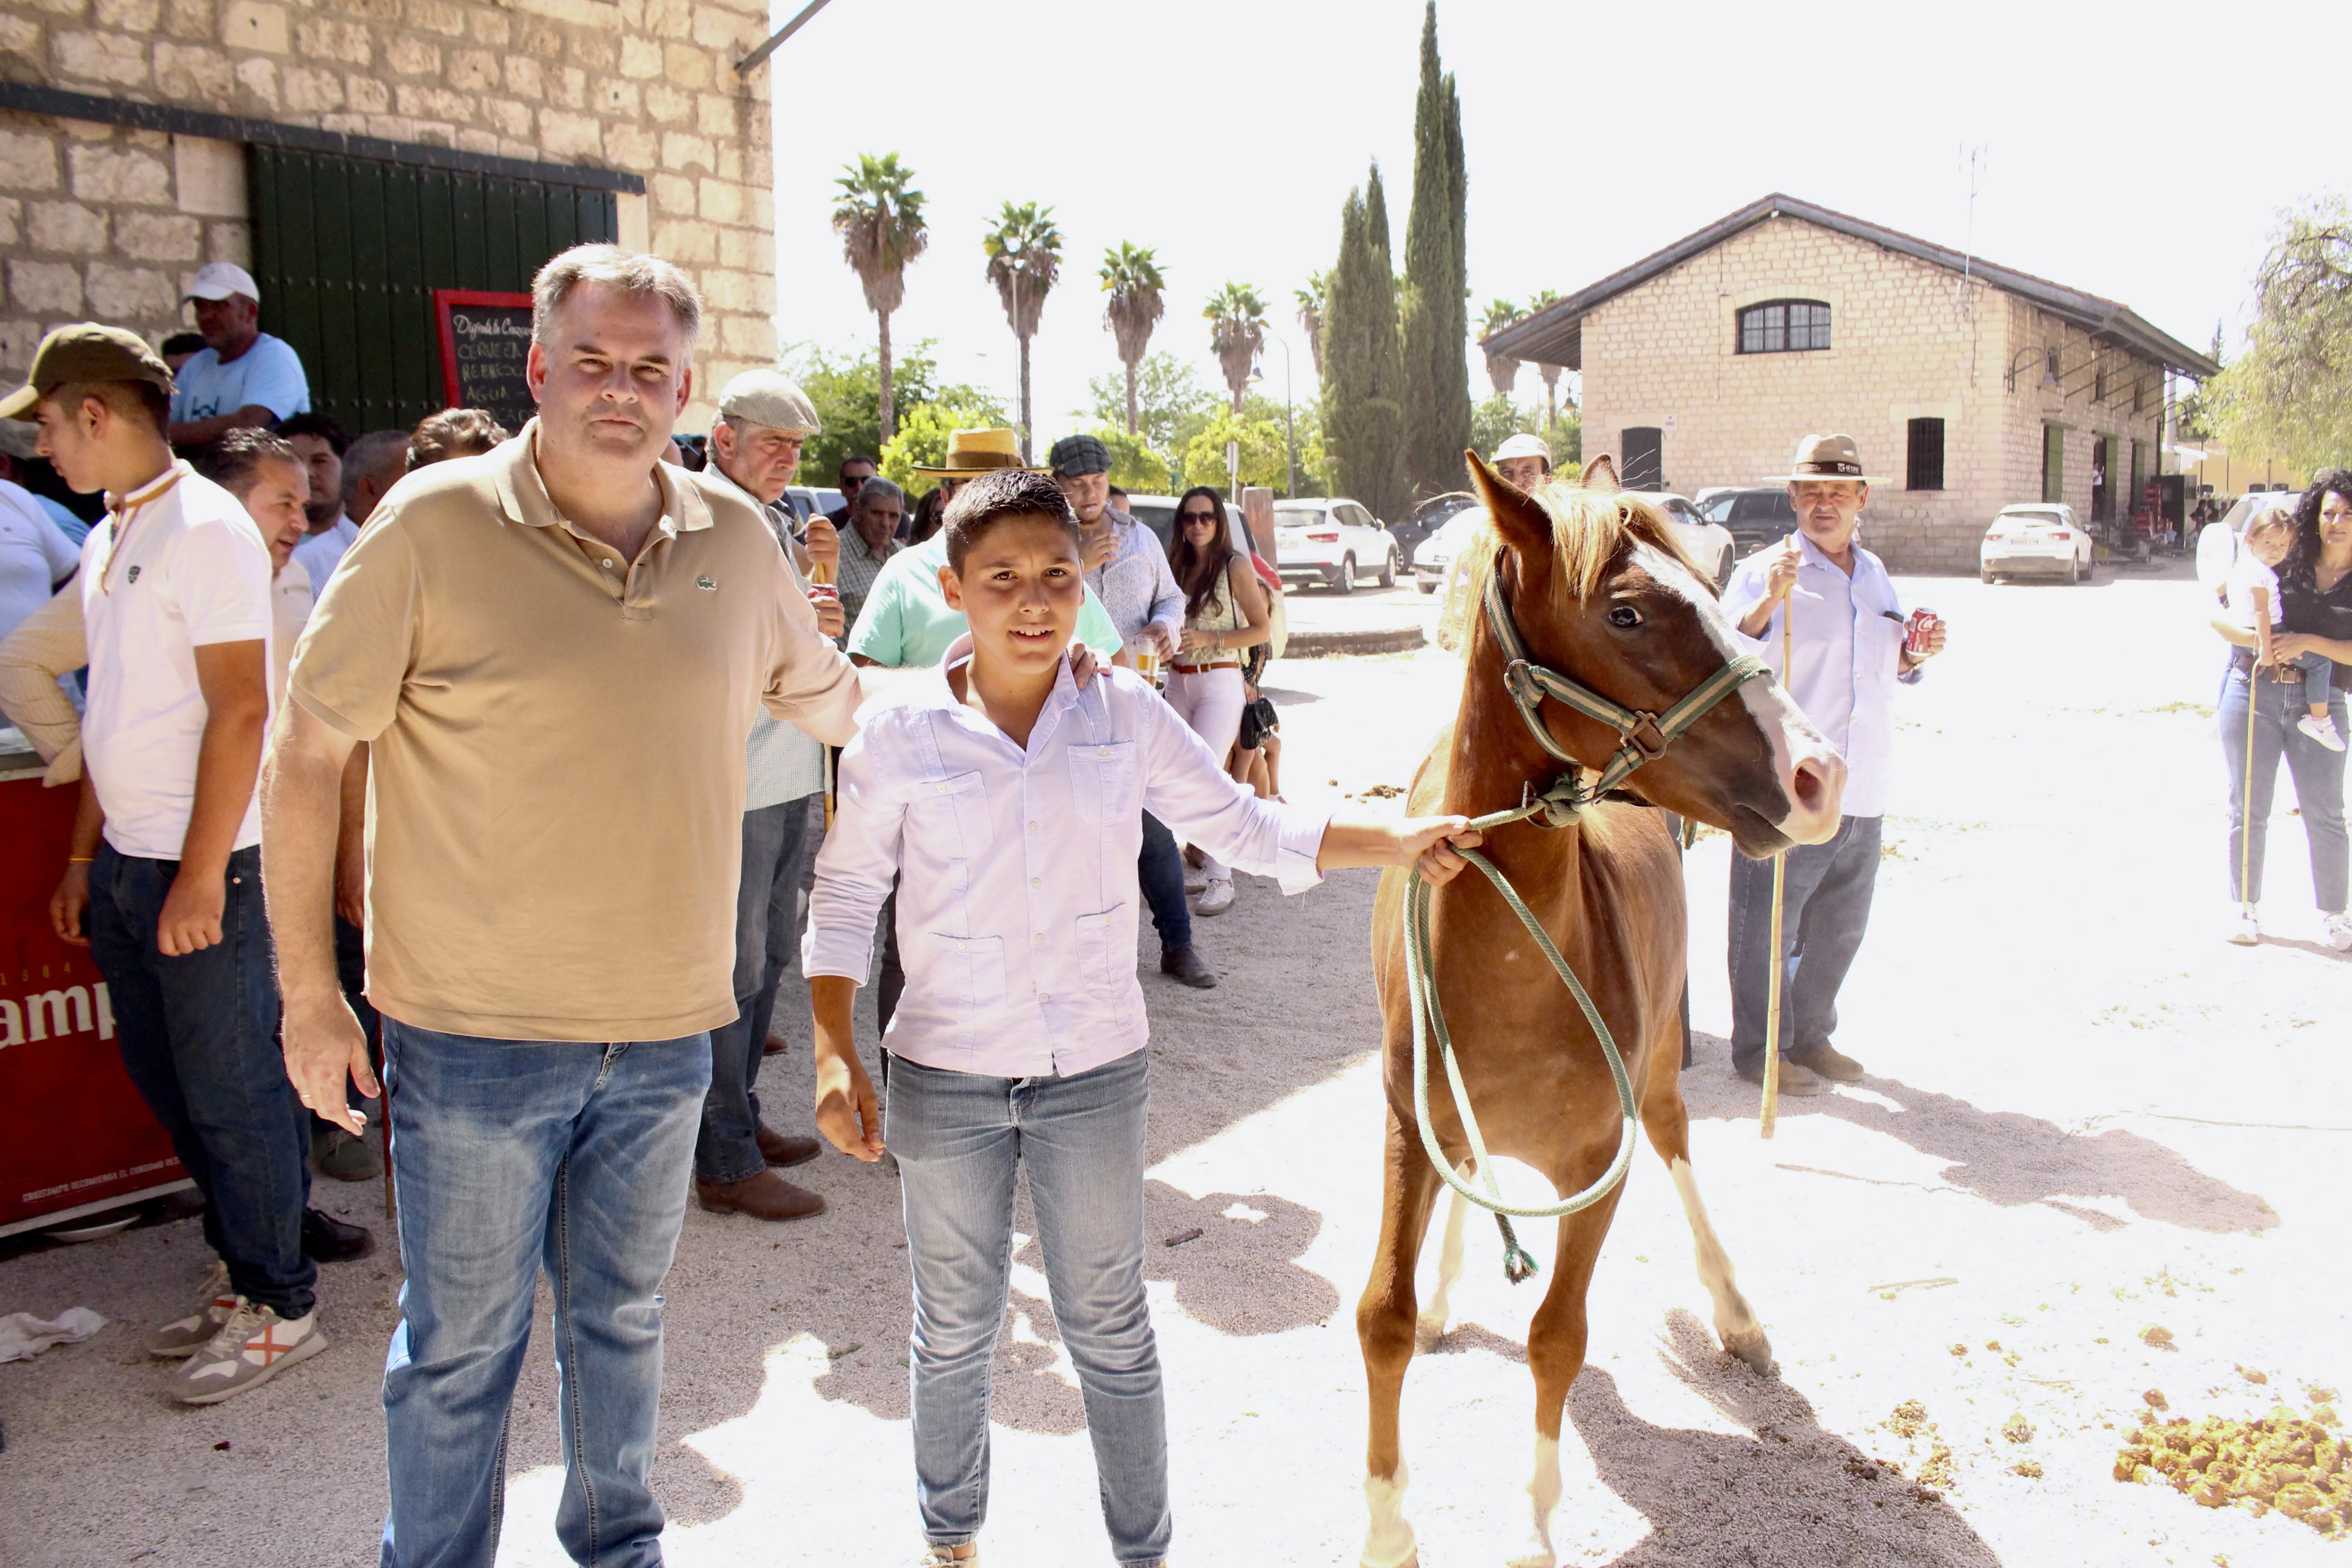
x,y
1918,629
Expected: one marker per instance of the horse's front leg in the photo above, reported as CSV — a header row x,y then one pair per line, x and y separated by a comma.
x,y
1667,1122
1384,1323
1555,1353
1434,1315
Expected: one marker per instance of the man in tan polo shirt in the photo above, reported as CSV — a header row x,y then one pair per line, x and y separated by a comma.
x,y
553,652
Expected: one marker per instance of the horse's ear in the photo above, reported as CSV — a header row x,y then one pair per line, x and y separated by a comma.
x,y
1523,524
1601,474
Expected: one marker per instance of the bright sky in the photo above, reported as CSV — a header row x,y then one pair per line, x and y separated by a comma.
x,y
2138,151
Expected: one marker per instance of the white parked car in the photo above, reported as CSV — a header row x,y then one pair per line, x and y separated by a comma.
x,y
1334,540
1708,543
2037,539
1434,558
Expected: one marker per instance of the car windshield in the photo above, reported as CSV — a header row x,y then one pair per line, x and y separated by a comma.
x,y
1760,509
2034,515
1296,516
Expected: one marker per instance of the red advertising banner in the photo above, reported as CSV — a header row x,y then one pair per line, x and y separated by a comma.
x,y
75,1136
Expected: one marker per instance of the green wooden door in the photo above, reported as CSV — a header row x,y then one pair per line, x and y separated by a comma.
x,y
347,251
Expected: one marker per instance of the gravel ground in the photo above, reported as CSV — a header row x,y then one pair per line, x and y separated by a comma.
x,y
2087,1118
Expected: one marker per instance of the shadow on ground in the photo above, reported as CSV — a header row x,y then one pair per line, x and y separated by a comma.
x,y
2003,1157
1787,1495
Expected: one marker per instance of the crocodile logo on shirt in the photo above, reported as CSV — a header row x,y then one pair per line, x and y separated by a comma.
x,y
705,583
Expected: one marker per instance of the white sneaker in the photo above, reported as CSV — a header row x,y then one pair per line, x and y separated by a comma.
x,y
2337,932
1196,878
255,1345
2321,727
1216,898
2245,929
187,1336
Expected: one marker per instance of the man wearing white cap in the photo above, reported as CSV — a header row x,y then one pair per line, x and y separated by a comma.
x,y
1847,651
244,376
1524,460
764,419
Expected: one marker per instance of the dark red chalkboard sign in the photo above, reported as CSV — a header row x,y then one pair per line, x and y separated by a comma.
x,y
484,340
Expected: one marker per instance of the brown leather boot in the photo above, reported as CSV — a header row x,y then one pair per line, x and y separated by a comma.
x,y
775,1045
766,1195
779,1150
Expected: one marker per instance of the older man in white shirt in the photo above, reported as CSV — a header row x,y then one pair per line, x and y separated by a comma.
x,y
1847,654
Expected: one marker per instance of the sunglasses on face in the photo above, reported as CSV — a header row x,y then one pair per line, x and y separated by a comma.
x,y
1189,517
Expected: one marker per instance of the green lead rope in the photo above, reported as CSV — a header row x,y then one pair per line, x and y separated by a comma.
x,y
1429,1018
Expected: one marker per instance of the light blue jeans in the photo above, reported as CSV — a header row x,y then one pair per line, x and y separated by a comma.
x,y
512,1155
2318,775
960,1139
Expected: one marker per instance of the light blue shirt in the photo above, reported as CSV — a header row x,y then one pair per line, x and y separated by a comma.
x,y
1848,652
269,374
319,554
905,623
74,528
781,761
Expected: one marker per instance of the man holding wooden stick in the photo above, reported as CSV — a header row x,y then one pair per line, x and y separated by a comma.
x,y
1840,655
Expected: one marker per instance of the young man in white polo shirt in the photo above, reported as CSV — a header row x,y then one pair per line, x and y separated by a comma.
x,y
1009,802
176,596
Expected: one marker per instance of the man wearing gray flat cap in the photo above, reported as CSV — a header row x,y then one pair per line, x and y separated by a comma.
x,y
764,419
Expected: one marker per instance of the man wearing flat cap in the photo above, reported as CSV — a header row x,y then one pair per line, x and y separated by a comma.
x,y
764,419
243,377
1847,656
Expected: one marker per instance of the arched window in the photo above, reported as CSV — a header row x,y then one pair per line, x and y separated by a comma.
x,y
1784,326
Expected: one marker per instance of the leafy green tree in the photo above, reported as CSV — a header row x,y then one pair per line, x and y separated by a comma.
x,y
1130,276
1263,459
1167,396
1495,421
1565,436
1363,417
1237,318
1501,368
880,220
923,435
1550,372
1024,262
1311,315
845,390
1134,466
1436,388
2291,392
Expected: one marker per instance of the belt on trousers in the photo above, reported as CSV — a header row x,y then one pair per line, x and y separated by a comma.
x,y
1229,662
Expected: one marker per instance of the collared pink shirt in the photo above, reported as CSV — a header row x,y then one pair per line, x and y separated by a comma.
x,y
1017,895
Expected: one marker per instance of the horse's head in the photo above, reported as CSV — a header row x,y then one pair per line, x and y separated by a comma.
x,y
1603,595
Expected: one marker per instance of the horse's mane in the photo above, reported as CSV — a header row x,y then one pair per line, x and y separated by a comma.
x,y
1588,529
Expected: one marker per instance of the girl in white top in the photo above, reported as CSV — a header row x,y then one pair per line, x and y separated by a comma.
x,y
2252,587
1225,613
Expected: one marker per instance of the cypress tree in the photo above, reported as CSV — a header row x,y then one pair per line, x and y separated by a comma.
x,y
1454,414
1436,314
1363,421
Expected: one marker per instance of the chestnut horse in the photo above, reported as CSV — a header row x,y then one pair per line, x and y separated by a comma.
x,y
1600,594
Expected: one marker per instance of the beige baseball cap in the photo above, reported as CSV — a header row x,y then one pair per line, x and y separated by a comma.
x,y
86,351
1524,446
772,398
219,280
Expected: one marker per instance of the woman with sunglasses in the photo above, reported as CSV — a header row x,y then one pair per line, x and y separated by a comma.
x,y
1225,612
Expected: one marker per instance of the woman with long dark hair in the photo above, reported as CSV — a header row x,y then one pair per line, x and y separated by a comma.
x,y
1225,613
2258,714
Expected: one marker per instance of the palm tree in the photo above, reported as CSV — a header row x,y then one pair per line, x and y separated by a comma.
x,y
880,222
1236,332
1501,369
1025,262
1550,372
1310,316
1131,277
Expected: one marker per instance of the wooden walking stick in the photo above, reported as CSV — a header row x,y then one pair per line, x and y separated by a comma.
x,y
1770,1114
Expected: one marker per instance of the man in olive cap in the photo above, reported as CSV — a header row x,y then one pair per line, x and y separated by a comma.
x,y
765,420
163,879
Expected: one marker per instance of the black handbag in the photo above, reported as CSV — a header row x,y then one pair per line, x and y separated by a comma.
x,y
1258,720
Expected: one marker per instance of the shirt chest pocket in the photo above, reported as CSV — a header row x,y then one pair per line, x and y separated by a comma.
x,y
951,814
1105,786
1879,650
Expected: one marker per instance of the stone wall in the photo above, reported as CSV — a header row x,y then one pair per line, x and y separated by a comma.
x,y
1907,343
106,222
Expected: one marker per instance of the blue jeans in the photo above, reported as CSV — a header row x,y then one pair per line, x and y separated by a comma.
x,y
2318,785
960,1139
2315,687
766,902
512,1155
199,1034
1826,910
1159,871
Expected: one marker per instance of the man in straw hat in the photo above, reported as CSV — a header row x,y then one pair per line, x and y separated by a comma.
x,y
1847,653
553,652
908,624
765,420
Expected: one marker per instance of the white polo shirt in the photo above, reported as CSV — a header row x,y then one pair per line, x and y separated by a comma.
x,y
291,600
191,571
35,553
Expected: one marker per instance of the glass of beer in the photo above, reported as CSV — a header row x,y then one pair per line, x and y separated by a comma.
x,y
1147,661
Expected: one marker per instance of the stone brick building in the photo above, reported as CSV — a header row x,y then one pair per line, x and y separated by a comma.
x,y
1971,385
135,136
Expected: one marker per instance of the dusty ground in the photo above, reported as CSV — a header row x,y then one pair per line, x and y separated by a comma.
x,y
2088,1117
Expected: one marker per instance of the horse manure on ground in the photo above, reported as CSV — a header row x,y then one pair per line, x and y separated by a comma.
x,y
2295,1464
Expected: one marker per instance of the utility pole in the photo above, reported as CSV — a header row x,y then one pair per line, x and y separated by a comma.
x,y
1289,430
